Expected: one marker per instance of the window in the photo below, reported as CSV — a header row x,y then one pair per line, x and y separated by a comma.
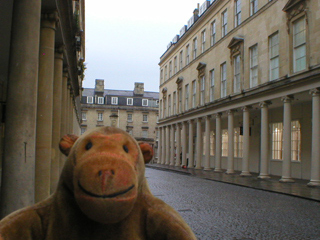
x,y
144,134
175,65
180,100
100,100
129,117
203,41
187,54
169,105
238,143
170,69
174,102
237,14
144,102
211,85
84,116
224,23
83,129
114,100
130,132
100,116
299,45
161,76
213,33
237,78
254,66
223,80
181,60
295,141
129,101
274,56
186,105
89,99
212,143
195,46
202,93
194,93
144,118
164,107
161,112
165,73
277,136
224,142
253,7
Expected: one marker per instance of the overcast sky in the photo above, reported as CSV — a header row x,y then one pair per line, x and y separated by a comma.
x,y
125,39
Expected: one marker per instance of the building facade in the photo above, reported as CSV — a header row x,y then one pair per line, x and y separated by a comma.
x,y
42,63
133,111
239,90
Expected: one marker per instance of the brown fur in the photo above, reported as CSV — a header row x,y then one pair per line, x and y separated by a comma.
x,y
102,194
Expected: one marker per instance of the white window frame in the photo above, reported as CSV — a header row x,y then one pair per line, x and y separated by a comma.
x,y
202,90
253,7
145,118
186,104
84,116
100,100
237,14
237,74
114,100
203,41
213,33
170,69
238,143
161,76
181,60
144,133
90,99
175,62
194,94
299,45
224,21
224,142
223,79
130,101
212,85
129,117
195,47
144,102
165,73
187,54
100,116
169,105
254,66
274,56
174,102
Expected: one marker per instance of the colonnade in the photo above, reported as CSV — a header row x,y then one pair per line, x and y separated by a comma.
x,y
171,146
40,109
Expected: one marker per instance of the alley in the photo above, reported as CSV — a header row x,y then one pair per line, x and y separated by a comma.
x,y
217,210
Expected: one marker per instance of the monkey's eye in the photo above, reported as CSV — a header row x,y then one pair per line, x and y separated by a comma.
x,y
89,145
125,148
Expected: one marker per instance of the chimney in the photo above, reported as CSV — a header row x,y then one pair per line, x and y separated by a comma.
x,y
138,88
99,88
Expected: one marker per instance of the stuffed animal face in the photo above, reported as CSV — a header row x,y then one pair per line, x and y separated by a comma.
x,y
107,168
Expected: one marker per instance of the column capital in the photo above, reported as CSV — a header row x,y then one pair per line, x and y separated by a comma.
x,y
265,104
218,115
199,119
50,19
287,99
190,121
315,92
207,117
246,108
231,111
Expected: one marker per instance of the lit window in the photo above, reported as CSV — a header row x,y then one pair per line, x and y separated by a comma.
x,y
254,66
145,118
144,102
238,143
84,116
100,100
224,23
224,142
114,100
186,105
100,117
195,46
202,87
211,85
299,45
274,56
237,20
203,41
89,99
223,80
212,143
237,78
129,117
213,33
129,101
295,141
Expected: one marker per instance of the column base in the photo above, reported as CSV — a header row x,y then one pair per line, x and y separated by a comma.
x,y
245,174
207,169
171,164
286,180
191,167
263,176
199,168
218,170
314,183
178,165
230,171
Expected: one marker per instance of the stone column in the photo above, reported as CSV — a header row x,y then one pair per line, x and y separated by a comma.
x,y
184,143
17,187
159,145
264,157
178,136
172,146
56,118
63,128
167,145
199,144
230,169
286,163
163,154
207,147
191,160
45,106
246,141
218,144
315,154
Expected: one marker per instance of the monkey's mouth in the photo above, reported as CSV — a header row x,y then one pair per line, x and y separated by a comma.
x,y
105,196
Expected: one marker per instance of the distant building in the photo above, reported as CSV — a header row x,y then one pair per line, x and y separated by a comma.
x,y
240,90
134,111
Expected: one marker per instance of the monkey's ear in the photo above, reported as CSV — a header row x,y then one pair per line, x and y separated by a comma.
x,y
147,151
67,142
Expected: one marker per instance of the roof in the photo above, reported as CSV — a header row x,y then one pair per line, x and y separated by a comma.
x,y
123,93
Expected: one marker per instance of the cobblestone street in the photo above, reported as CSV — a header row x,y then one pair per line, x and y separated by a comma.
x,y
217,210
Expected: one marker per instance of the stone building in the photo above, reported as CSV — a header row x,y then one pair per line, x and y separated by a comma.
x,y
41,72
239,90
133,111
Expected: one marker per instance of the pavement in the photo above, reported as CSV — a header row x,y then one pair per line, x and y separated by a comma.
x,y
298,189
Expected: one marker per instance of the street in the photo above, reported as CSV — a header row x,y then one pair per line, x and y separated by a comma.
x,y
216,210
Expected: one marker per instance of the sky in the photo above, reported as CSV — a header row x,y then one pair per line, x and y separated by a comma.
x,y
125,40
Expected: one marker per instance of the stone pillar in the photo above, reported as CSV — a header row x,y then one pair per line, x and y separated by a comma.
x,y
56,119
184,143
172,146
191,160
207,147
45,106
17,187
63,128
246,141
167,145
178,150
159,145
199,144
218,144
163,154
264,157
286,163
230,169
315,154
